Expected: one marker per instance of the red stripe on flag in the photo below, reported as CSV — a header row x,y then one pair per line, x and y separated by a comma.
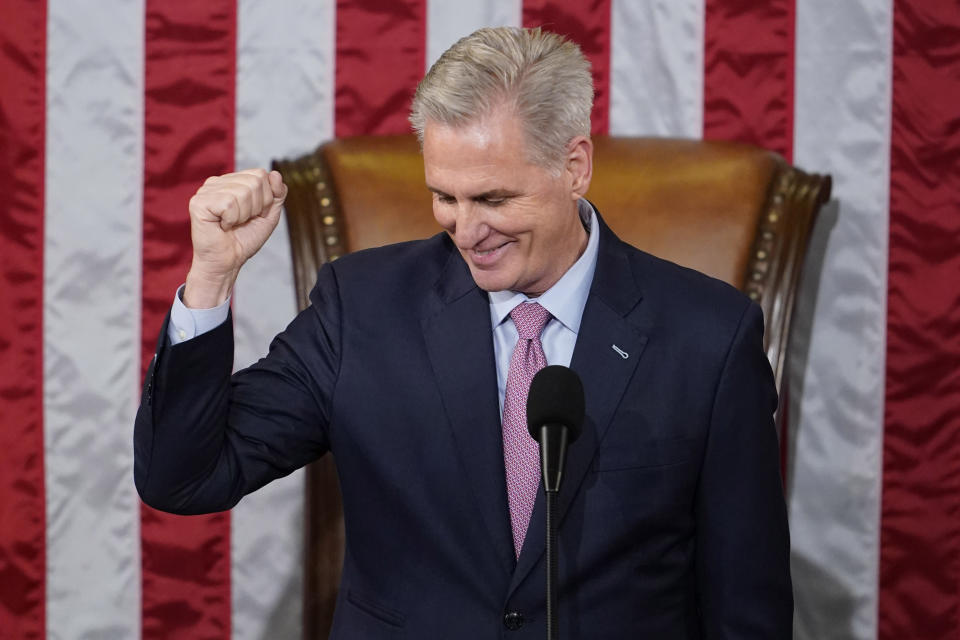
x,y
381,54
587,24
190,54
23,42
749,73
920,513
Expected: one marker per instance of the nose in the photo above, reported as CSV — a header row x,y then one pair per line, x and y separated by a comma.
x,y
467,224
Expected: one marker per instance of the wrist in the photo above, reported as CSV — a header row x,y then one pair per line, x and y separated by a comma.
x,y
205,290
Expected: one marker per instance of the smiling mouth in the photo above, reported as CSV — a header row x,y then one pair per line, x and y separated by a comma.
x,y
487,257
486,252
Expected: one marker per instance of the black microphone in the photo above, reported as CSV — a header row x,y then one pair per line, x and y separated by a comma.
x,y
555,418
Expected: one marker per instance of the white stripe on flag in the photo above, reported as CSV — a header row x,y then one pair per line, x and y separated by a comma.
x,y
842,126
656,68
448,21
284,108
94,174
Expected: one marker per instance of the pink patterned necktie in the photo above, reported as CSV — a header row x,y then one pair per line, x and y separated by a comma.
x,y
521,453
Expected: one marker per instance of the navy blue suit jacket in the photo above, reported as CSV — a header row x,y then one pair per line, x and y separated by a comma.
x,y
672,519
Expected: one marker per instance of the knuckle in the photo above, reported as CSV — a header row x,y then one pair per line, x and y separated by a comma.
x,y
198,202
245,197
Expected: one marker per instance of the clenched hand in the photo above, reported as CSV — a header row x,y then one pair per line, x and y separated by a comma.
x,y
231,216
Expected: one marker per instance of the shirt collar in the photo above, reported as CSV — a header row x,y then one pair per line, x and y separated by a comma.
x,y
566,299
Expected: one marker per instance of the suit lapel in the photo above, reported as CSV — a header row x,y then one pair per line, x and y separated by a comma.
x,y
606,334
458,334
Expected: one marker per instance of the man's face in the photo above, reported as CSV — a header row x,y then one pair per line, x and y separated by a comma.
x,y
515,223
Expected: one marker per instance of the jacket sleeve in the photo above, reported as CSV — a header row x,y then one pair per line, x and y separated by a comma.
x,y
203,438
743,544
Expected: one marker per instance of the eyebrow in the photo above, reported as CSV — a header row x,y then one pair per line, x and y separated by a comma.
x,y
486,195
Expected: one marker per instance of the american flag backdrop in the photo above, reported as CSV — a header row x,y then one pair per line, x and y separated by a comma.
x,y
113,112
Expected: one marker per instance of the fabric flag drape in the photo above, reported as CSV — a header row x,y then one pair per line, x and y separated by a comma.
x,y
112,113
22,483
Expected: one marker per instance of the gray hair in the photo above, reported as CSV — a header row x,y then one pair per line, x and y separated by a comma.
x,y
542,76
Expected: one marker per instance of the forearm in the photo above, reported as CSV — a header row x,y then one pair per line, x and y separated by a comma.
x,y
203,438
182,460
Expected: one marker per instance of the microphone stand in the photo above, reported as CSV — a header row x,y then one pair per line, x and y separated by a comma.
x,y
553,454
551,550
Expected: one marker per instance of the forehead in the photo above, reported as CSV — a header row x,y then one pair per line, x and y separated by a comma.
x,y
496,132
489,148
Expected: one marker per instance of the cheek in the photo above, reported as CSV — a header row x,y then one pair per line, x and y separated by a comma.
x,y
444,217
546,233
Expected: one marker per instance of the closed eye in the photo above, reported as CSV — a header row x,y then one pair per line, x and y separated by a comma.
x,y
484,199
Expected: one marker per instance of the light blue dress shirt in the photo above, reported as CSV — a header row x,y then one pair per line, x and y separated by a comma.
x,y
565,301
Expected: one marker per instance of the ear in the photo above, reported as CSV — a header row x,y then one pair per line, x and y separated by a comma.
x,y
579,165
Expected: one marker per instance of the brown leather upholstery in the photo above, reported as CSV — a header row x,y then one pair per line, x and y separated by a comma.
x,y
733,211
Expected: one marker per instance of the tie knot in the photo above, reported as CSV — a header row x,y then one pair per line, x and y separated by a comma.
x,y
529,318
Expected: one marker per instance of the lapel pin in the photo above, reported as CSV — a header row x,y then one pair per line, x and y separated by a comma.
x,y
623,354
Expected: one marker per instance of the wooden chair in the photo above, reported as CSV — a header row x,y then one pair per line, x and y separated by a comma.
x,y
733,211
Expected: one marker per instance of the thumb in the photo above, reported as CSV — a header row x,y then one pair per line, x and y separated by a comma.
x,y
277,186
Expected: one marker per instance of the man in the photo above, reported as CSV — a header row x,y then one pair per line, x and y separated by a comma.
x,y
409,367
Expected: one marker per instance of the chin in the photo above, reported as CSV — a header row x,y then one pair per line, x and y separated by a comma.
x,y
491,281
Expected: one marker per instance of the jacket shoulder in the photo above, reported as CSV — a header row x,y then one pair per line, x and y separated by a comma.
x,y
391,272
684,289
686,298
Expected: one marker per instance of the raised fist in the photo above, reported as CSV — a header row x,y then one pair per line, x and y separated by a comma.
x,y
231,216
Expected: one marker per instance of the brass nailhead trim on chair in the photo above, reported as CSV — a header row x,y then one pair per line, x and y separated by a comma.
x,y
769,227
331,247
